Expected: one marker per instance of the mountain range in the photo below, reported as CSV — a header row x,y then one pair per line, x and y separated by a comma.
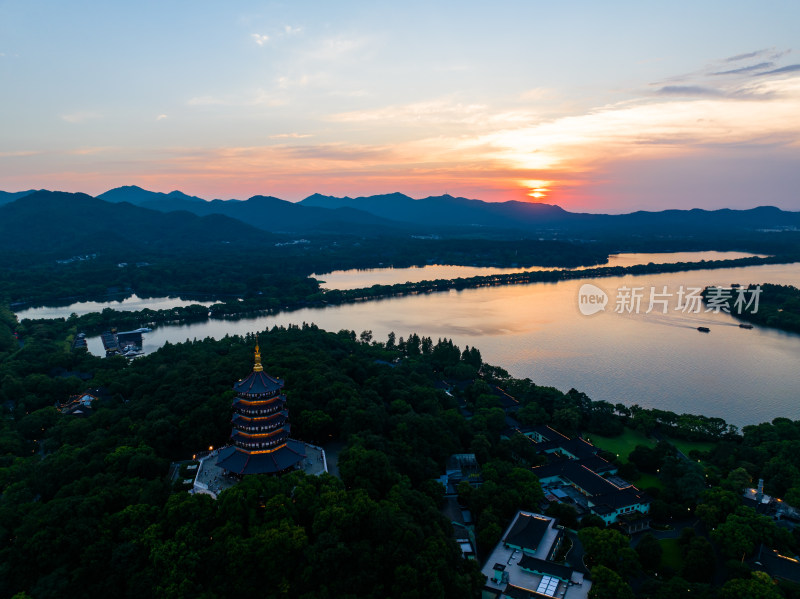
x,y
400,212
123,210
49,221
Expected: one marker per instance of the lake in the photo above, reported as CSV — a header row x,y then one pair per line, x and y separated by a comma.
x,y
357,279
132,303
537,331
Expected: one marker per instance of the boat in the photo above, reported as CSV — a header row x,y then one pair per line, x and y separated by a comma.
x,y
704,329
745,326
131,351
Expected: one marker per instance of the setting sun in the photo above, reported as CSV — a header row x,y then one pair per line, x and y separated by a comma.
x,y
537,188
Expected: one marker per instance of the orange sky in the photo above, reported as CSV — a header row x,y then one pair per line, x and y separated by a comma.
x,y
246,100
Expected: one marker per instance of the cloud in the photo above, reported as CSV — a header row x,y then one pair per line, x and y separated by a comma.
x,y
745,56
259,38
339,153
258,97
286,82
689,90
787,69
435,112
335,48
161,117
80,117
19,154
290,136
208,101
465,144
537,93
89,151
741,70
289,30
432,110
650,129
719,80
349,93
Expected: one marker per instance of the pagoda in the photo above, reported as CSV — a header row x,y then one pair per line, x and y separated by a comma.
x,y
260,442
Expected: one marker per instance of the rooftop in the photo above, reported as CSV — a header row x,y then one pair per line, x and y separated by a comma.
x,y
620,498
212,479
258,382
591,483
779,566
525,584
546,432
528,531
578,447
545,567
239,461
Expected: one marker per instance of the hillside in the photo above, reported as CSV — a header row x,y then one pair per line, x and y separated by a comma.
x,y
140,197
263,212
448,211
398,213
9,196
46,222
389,215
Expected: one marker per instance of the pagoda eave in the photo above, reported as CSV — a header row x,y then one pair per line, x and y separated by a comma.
x,y
285,457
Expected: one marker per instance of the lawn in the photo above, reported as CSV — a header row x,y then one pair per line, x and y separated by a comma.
x,y
672,554
622,445
687,446
648,480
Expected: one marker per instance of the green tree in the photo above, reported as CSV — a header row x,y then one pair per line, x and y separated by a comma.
x,y
649,551
716,505
742,531
566,514
699,561
607,584
737,480
680,588
567,419
754,588
609,548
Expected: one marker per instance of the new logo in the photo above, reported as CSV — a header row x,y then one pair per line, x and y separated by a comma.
x,y
591,299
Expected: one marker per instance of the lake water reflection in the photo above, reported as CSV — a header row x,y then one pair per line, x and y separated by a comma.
x,y
129,304
537,331
356,279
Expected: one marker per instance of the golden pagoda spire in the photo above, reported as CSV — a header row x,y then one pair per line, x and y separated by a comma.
x,y
258,367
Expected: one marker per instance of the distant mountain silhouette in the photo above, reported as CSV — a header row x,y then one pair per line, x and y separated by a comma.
x,y
139,197
273,214
389,214
449,211
693,222
10,196
48,221
264,212
446,210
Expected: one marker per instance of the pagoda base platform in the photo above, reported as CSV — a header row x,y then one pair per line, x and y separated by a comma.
x,y
212,478
285,458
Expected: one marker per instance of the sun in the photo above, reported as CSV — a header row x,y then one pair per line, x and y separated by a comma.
x,y
537,188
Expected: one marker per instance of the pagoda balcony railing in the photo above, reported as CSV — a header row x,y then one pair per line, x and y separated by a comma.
x,y
260,411
251,396
261,444
248,420
261,429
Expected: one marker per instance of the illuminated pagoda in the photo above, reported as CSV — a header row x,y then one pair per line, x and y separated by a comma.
x,y
260,442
